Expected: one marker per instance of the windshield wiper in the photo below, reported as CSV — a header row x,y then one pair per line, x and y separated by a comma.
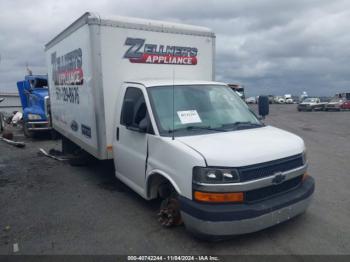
x,y
190,128
239,124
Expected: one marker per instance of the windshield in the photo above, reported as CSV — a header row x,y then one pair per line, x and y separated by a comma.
x,y
199,109
313,100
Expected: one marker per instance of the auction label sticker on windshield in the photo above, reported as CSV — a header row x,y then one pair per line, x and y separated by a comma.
x,y
189,117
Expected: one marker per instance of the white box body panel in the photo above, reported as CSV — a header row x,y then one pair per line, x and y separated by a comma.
x,y
88,62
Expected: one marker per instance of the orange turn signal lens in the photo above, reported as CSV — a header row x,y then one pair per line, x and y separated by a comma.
x,y
237,197
305,176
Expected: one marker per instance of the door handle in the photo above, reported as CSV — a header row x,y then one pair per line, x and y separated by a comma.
x,y
117,134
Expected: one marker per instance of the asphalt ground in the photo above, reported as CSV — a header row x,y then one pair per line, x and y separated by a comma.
x,y
50,207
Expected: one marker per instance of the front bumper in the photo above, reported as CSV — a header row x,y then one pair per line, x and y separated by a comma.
x,y
235,219
38,125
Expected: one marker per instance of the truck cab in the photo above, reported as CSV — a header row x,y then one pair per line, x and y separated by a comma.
x,y
34,95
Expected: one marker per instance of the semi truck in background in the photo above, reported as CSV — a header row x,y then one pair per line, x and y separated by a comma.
x,y
142,93
34,96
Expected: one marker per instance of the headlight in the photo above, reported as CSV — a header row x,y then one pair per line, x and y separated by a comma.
x,y
34,117
215,175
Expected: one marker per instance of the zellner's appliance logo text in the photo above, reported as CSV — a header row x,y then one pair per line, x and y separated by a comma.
x,y
139,52
67,69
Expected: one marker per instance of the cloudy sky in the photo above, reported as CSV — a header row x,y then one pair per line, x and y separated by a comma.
x,y
270,46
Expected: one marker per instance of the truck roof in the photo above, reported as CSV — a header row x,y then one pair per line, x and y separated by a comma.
x,y
132,23
169,82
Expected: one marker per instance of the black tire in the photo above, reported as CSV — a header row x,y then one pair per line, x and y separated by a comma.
x,y
27,133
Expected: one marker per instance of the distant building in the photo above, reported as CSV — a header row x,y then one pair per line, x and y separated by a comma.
x,y
10,103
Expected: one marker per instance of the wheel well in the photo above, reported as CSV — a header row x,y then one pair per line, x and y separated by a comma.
x,y
159,186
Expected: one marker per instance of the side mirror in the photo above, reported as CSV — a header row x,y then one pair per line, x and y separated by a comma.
x,y
128,112
263,106
143,125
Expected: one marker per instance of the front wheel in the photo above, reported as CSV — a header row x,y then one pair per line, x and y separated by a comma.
x,y
169,213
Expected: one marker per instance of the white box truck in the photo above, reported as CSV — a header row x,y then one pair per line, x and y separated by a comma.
x,y
141,92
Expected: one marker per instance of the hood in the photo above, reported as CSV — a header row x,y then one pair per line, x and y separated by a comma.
x,y
245,147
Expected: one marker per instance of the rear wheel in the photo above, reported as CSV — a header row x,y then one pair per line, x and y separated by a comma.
x,y
54,134
77,155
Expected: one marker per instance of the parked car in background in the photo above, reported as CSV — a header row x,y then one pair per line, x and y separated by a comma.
x,y
251,100
279,100
311,104
288,98
271,99
338,104
345,105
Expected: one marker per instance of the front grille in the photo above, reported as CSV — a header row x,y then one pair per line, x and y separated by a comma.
x,y
266,192
47,105
266,169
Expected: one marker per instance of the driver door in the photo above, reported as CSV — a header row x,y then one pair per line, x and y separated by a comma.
x,y
130,144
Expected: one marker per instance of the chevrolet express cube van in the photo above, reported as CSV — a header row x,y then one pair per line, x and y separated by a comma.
x,y
142,93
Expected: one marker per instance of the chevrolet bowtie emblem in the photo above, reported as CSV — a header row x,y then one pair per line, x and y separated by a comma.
x,y
279,178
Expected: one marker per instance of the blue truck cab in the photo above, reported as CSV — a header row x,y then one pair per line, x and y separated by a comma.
x,y
34,95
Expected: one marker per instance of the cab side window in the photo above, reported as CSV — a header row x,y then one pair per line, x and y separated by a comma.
x,y
135,96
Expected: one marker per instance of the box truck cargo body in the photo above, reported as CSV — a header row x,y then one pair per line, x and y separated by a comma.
x,y
142,92
88,62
